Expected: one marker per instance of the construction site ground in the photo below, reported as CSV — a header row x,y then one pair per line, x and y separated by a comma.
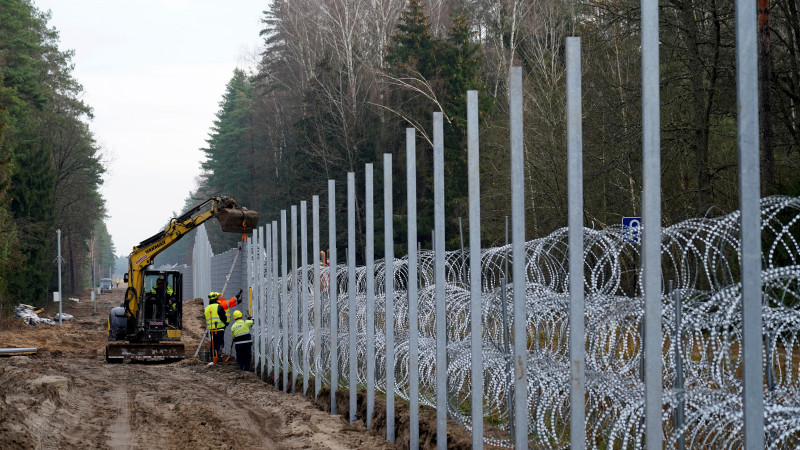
x,y
67,396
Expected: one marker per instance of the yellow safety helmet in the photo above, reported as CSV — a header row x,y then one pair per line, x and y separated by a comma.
x,y
213,295
237,314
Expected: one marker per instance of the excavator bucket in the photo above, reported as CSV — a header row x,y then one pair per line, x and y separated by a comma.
x,y
237,220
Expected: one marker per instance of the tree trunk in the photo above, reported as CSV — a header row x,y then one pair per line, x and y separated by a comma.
x,y
768,176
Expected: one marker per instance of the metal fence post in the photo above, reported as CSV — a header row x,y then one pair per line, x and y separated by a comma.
x,y
257,325
388,227
413,324
264,275
333,295
304,290
651,217
749,202
60,296
317,299
577,346
370,298
292,300
351,290
285,303
507,333
518,252
276,306
441,308
476,307
678,347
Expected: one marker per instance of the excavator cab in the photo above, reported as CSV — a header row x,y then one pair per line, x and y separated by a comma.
x,y
163,300
163,321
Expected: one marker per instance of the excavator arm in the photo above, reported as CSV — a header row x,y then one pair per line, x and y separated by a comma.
x,y
231,216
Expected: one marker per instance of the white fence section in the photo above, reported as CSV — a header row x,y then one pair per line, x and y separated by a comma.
x,y
201,265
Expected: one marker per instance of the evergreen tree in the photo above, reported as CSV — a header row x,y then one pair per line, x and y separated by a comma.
x,y
460,72
413,47
412,63
230,145
444,70
49,169
232,153
24,43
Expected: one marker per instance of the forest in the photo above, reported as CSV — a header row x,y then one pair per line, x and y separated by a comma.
x,y
338,81
50,166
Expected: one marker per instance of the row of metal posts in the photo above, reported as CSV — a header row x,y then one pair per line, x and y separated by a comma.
x,y
748,155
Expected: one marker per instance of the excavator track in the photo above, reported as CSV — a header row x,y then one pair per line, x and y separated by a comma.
x,y
118,352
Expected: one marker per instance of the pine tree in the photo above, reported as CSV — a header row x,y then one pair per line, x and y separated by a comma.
x,y
49,171
413,47
230,145
24,44
460,72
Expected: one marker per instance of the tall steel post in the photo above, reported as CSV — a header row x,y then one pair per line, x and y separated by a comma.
x,y
413,324
518,269
285,303
276,305
439,294
58,262
749,203
263,279
304,291
476,307
370,261
257,327
651,217
388,227
333,294
293,301
351,291
316,297
577,348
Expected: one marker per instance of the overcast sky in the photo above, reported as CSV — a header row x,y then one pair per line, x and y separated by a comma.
x,y
154,72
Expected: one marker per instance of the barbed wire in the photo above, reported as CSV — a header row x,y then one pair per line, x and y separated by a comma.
x,y
699,255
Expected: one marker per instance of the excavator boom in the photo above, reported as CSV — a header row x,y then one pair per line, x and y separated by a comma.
x,y
138,333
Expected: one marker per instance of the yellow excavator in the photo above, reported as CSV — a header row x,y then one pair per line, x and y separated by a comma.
x,y
148,323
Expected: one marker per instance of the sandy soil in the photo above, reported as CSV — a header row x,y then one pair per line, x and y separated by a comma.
x,y
66,396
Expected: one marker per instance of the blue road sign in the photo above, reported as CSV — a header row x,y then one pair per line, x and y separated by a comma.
x,y
631,229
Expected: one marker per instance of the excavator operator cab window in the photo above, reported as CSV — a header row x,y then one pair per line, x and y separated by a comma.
x,y
163,298
157,295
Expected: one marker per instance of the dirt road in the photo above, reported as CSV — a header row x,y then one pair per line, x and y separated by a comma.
x,y
66,396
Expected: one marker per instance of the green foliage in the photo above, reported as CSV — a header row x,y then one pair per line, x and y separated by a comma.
x,y
444,70
49,168
322,104
230,145
413,48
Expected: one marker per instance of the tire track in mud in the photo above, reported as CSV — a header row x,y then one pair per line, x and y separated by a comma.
x,y
257,420
120,434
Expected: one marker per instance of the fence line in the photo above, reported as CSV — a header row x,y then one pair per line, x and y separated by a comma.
x,y
448,336
700,255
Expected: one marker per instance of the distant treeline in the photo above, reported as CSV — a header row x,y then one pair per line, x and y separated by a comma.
x,y
50,165
337,83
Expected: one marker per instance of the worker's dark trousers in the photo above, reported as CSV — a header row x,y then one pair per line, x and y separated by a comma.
x,y
217,341
243,352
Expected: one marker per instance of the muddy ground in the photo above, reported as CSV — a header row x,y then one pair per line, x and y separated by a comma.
x,y
66,396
